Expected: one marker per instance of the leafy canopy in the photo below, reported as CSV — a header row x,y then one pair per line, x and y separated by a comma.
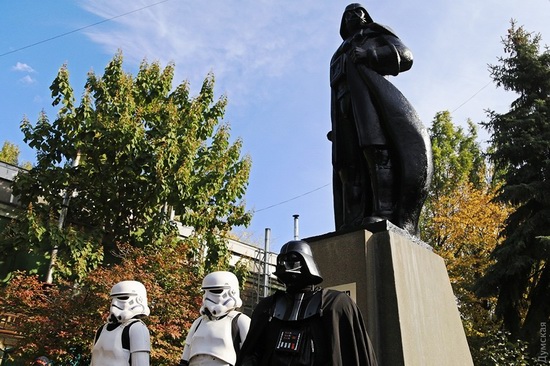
x,y
133,152
10,154
462,222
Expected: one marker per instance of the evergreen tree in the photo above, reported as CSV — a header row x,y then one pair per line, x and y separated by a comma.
x,y
462,223
520,139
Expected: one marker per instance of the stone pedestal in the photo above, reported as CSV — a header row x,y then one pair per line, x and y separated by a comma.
x,y
403,291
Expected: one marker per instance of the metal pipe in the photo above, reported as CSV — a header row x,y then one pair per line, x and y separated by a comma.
x,y
266,261
296,228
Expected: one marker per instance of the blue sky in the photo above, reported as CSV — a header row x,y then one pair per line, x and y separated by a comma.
x,y
271,60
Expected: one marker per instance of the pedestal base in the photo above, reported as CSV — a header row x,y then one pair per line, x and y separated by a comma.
x,y
403,291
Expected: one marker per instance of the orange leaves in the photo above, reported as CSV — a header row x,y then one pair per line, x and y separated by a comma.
x,y
464,229
60,320
467,222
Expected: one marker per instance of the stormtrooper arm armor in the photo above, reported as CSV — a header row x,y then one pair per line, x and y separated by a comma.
x,y
244,325
140,344
140,358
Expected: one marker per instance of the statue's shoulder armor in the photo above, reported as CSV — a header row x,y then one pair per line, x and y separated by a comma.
x,y
380,29
373,30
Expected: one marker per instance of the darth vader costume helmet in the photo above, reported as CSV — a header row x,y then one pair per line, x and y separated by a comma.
x,y
295,265
128,300
221,294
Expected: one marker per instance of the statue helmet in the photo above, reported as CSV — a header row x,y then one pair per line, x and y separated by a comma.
x,y
296,266
351,7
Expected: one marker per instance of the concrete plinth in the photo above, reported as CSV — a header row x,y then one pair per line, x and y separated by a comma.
x,y
403,291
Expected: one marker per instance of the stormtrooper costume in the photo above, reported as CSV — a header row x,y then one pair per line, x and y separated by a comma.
x,y
124,339
215,338
305,324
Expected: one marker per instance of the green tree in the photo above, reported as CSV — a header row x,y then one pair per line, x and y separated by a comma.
x,y
457,155
458,159
520,139
116,165
10,154
462,222
465,227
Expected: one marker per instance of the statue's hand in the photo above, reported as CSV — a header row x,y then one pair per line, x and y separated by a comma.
x,y
358,54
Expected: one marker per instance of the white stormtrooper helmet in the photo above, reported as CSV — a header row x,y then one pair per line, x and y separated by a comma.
x,y
221,294
128,300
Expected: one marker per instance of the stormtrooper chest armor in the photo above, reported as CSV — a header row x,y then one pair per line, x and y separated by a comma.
x,y
108,351
213,337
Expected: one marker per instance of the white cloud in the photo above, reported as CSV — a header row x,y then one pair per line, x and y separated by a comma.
x,y
27,80
246,43
22,67
272,57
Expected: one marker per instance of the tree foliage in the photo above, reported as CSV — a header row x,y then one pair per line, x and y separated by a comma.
x,y
60,320
143,149
10,154
466,225
520,138
457,156
458,160
462,222
500,350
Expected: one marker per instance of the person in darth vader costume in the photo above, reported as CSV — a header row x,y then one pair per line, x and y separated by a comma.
x,y
381,153
305,324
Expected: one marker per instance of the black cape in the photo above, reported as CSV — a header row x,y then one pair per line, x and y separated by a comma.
x,y
339,328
